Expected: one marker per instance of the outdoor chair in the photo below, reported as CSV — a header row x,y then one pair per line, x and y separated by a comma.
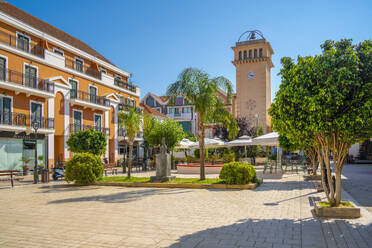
x,y
271,164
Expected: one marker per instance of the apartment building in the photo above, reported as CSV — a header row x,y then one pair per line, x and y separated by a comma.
x,y
181,110
58,83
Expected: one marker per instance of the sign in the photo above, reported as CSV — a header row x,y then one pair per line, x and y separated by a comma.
x,y
29,144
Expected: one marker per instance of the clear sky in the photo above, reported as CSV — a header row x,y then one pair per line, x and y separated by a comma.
x,y
156,40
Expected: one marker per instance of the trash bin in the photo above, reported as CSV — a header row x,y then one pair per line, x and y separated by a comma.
x,y
44,175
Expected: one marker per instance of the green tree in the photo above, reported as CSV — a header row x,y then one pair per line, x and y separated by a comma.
x,y
87,141
201,91
327,101
169,129
131,122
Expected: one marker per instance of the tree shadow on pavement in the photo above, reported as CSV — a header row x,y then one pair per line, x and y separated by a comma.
x,y
121,197
285,185
315,233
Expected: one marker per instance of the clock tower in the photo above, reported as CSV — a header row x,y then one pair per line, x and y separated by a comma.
x,y
252,60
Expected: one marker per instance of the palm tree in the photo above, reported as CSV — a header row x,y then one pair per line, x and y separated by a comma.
x,y
201,91
131,121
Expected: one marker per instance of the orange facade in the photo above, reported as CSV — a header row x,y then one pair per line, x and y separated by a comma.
x,y
57,84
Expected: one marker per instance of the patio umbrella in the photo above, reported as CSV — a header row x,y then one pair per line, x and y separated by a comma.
x,y
185,144
210,143
241,141
269,139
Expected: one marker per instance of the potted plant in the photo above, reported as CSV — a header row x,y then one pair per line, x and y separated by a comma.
x,y
25,160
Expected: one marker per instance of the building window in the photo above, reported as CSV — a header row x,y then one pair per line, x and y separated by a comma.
x,y
117,79
36,113
74,88
2,69
93,94
240,55
97,122
30,77
255,53
245,55
250,54
177,111
79,64
260,52
103,71
77,120
5,110
58,51
171,110
150,101
23,42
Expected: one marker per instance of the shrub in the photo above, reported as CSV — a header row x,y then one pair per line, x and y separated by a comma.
x,y
84,168
237,173
87,141
228,157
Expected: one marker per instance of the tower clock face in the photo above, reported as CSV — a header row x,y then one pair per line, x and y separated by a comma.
x,y
250,75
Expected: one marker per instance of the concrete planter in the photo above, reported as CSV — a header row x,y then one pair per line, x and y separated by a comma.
x,y
312,177
195,168
336,212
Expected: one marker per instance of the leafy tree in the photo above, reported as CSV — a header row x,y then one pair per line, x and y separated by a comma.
x,y
131,121
244,128
169,129
326,100
87,141
201,91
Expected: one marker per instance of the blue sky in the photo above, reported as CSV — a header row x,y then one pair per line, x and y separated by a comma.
x,y
156,40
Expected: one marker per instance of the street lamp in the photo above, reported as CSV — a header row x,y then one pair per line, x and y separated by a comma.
x,y
35,126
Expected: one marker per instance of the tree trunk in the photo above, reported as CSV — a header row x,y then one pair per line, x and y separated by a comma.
x,y
130,159
201,147
331,198
338,186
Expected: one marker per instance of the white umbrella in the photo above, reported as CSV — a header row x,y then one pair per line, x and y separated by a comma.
x,y
269,139
185,144
210,143
241,141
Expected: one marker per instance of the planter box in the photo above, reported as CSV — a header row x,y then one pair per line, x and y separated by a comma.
x,y
336,212
195,168
312,177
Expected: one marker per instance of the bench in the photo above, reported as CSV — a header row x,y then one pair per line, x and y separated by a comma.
x,y
10,176
110,167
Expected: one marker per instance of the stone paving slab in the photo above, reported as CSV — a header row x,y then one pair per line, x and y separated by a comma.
x,y
277,214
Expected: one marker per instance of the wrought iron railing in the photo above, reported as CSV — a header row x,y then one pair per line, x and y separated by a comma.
x,y
77,127
125,85
19,44
122,132
91,98
126,107
26,80
24,120
82,68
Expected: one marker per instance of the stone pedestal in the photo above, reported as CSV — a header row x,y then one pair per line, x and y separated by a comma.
x,y
163,168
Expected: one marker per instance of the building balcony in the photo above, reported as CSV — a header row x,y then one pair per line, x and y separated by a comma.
x,y
125,85
21,45
19,122
88,100
83,68
76,128
180,116
21,83
126,107
122,135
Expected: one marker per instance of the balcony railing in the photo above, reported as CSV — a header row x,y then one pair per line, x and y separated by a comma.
x,y
77,127
20,44
82,68
24,120
122,132
91,98
125,85
126,107
27,80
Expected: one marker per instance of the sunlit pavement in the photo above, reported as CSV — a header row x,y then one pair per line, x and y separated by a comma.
x,y
277,214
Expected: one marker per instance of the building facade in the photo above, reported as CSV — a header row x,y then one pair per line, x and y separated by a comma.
x,y
52,79
252,60
181,110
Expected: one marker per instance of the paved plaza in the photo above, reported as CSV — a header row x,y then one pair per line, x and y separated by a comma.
x,y
277,214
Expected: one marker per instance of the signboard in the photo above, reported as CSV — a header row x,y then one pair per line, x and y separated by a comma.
x,y
29,143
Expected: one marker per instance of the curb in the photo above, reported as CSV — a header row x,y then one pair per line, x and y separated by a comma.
x,y
249,186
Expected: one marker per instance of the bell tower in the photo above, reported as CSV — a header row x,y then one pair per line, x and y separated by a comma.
x,y
252,61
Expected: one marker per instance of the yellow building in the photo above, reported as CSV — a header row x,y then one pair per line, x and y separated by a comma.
x,y
252,60
53,79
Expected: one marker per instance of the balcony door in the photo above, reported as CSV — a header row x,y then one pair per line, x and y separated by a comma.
x,y
79,65
93,94
97,123
23,42
36,113
77,120
30,76
74,88
2,69
5,110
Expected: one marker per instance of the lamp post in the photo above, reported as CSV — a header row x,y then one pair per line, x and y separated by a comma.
x,y
35,126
